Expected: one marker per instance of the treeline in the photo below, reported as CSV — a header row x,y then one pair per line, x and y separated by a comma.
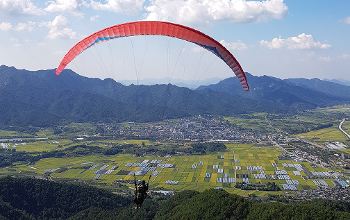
x,y
207,148
168,149
40,199
10,156
262,187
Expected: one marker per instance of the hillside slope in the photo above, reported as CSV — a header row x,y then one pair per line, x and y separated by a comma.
x,y
41,98
297,93
29,198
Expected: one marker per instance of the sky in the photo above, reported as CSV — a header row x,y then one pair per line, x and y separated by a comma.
x,y
279,38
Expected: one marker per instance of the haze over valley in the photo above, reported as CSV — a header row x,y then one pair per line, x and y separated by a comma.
x,y
177,109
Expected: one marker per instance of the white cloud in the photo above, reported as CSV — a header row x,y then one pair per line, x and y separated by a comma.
x,y
71,6
119,6
18,7
206,11
94,18
344,56
17,45
326,59
239,45
302,41
41,44
347,20
197,49
59,28
25,26
310,54
60,53
5,26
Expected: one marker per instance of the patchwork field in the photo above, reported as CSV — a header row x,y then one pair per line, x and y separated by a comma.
x,y
241,162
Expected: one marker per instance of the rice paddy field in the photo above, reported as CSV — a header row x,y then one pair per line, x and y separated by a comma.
x,y
39,146
12,134
241,162
326,134
138,142
50,145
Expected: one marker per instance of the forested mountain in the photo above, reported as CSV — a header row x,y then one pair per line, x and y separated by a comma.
x,y
331,88
338,81
297,93
192,84
29,198
41,98
41,199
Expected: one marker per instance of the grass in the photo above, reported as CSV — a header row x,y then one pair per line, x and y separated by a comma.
x,y
12,134
326,134
345,150
257,123
39,146
138,142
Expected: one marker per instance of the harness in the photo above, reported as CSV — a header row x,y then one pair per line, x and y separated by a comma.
x,y
140,190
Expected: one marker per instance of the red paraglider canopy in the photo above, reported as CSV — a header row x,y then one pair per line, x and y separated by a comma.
x,y
156,28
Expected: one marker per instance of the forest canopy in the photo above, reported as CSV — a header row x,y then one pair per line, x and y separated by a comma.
x,y
29,198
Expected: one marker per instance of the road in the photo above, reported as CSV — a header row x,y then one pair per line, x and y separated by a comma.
x,y
270,138
340,125
300,139
313,144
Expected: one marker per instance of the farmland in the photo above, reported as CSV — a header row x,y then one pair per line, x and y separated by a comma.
x,y
326,134
288,151
187,172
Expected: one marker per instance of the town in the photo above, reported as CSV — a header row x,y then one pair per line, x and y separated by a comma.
x,y
194,129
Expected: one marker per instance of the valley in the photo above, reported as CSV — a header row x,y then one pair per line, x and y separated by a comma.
x,y
294,152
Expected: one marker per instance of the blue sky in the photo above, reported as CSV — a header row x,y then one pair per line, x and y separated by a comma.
x,y
285,39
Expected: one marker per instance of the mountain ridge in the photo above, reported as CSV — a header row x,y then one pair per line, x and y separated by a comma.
x,y
41,98
302,93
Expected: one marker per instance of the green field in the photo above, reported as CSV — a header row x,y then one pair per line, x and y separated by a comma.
x,y
12,134
138,142
346,126
39,146
326,134
50,145
257,122
187,177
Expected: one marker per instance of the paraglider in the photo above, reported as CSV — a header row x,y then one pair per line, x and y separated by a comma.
x,y
140,192
157,28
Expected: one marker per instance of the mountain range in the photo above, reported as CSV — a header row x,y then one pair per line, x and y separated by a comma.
x,y
40,98
191,84
296,93
339,81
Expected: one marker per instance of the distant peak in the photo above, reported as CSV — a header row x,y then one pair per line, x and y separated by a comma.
x,y
4,66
